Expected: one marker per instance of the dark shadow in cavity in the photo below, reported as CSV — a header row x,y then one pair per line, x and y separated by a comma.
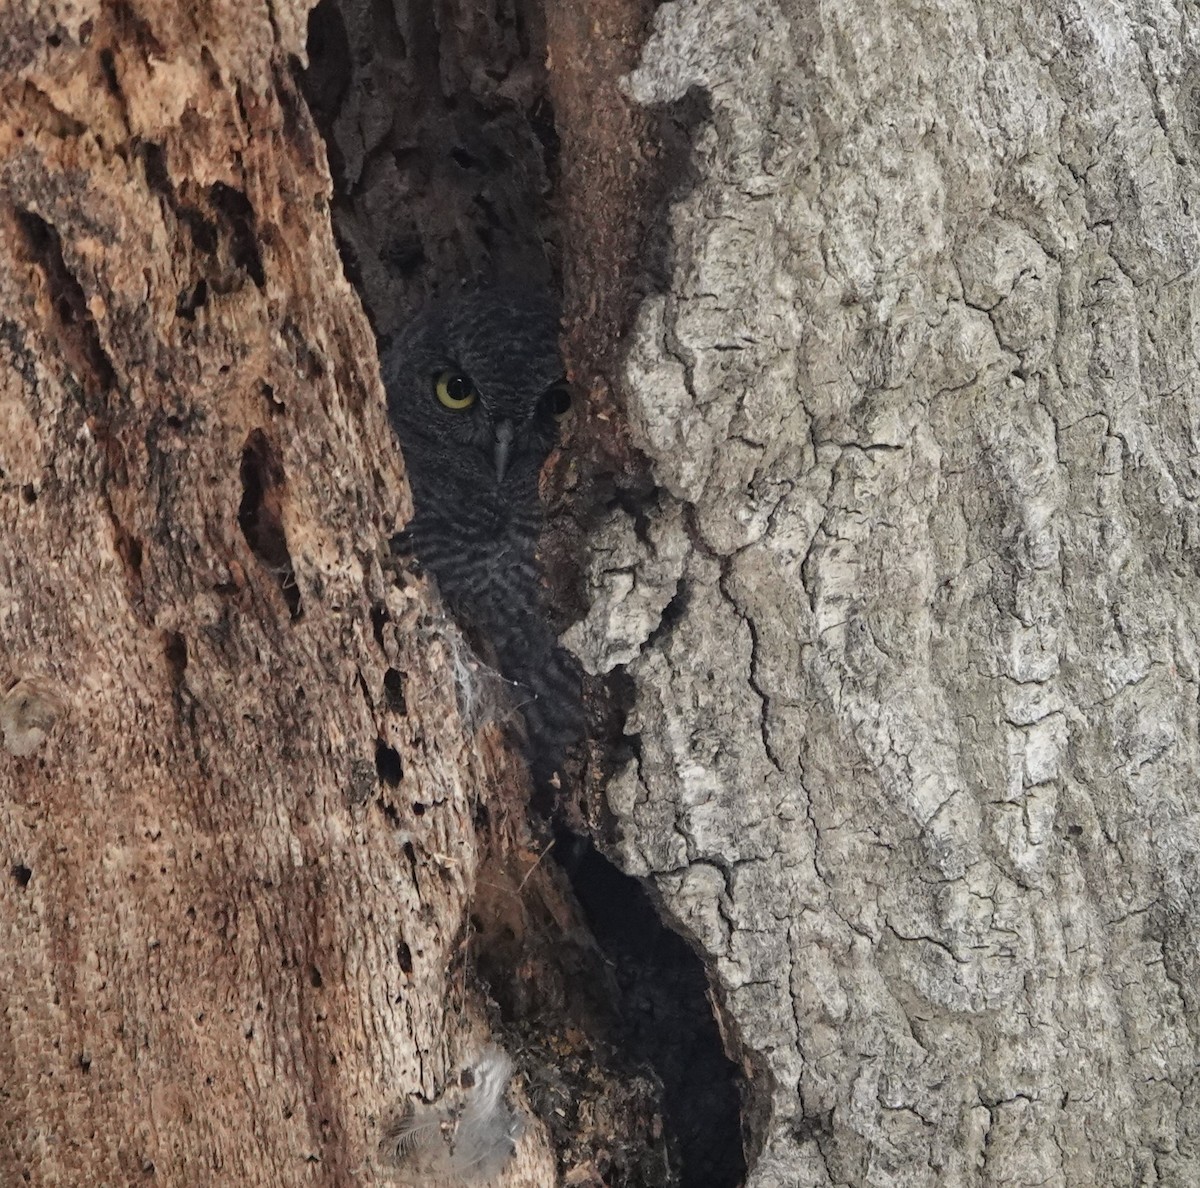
x,y
665,1014
75,328
439,136
260,514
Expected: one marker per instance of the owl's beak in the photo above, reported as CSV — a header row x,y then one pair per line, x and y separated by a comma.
x,y
503,447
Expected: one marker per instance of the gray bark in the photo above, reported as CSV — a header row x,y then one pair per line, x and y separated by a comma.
x,y
918,731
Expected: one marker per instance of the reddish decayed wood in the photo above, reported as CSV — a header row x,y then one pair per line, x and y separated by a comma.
x,y
227,936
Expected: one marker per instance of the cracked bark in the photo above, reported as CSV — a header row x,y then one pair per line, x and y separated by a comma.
x,y
909,618
916,752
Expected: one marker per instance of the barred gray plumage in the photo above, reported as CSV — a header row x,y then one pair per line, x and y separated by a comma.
x,y
474,386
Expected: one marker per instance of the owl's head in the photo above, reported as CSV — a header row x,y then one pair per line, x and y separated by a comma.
x,y
475,386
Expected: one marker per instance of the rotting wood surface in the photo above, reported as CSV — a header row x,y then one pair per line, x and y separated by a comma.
x,y
227,925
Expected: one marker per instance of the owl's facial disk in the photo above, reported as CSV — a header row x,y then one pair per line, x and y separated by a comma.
x,y
499,431
478,381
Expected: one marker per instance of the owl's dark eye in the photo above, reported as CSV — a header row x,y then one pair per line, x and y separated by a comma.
x,y
557,401
454,391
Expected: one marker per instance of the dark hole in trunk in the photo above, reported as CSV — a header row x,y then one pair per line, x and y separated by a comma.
x,y
667,1021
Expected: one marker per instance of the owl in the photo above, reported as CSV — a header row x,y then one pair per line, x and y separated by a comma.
x,y
475,391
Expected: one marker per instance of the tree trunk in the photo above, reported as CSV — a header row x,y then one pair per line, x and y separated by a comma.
x,y
913,619
884,512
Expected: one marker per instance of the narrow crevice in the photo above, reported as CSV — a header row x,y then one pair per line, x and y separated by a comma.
x,y
191,299
393,688
443,145
175,652
236,213
202,231
672,180
379,619
666,1016
672,616
108,67
387,764
260,515
129,550
74,327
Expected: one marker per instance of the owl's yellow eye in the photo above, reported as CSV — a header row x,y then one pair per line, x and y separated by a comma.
x,y
454,391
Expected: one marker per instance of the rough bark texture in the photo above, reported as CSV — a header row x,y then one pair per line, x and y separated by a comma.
x,y
238,865
913,624
907,623
270,881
